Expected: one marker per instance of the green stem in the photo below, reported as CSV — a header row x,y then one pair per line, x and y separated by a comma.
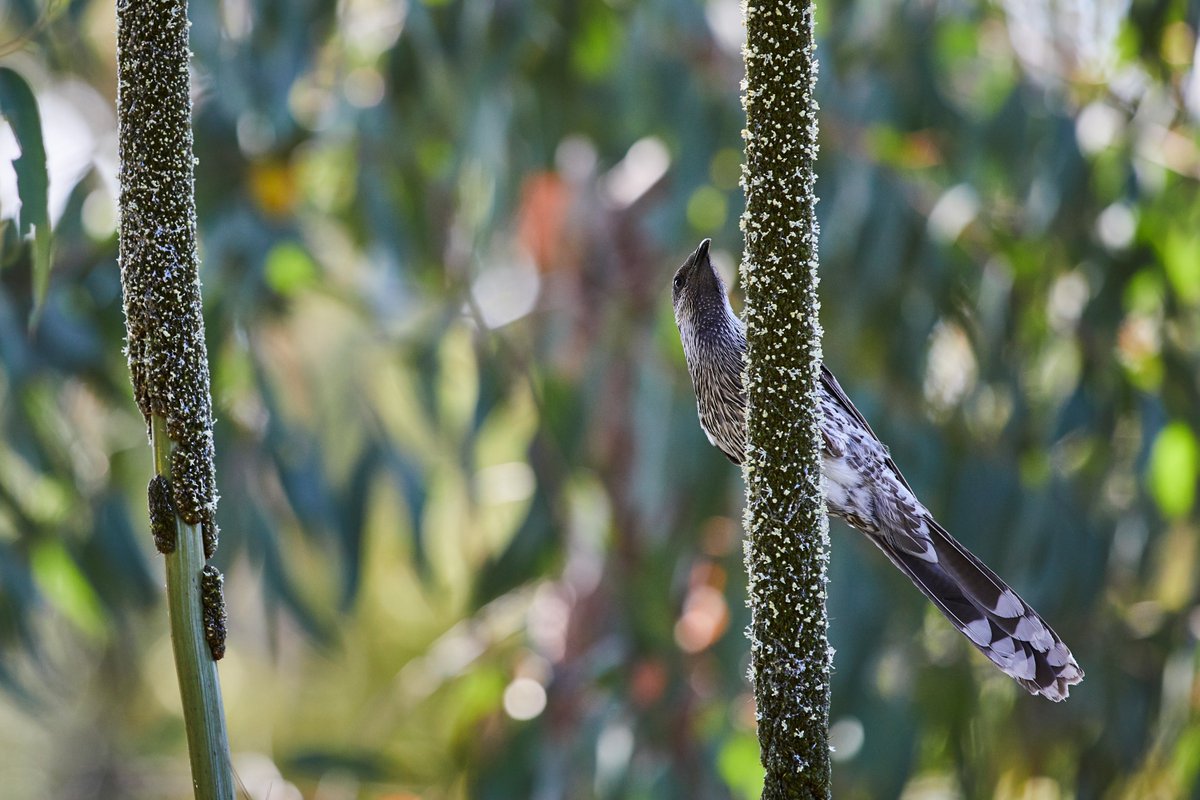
x,y
199,686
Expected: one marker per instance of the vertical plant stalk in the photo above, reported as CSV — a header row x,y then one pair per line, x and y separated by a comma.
x,y
787,548
168,360
199,684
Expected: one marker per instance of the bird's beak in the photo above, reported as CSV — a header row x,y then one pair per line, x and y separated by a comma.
x,y
697,263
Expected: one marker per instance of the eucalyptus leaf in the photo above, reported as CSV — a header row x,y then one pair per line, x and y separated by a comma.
x,y
19,107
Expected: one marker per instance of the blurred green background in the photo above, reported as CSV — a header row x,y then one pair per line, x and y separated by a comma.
x,y
475,542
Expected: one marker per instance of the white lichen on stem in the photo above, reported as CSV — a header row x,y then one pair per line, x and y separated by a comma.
x,y
787,548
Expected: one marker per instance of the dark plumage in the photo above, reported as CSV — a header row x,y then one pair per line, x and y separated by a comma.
x,y
864,487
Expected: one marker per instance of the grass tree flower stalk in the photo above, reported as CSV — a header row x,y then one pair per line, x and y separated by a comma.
x,y
787,547
168,360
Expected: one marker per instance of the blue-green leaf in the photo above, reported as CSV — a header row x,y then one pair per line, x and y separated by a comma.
x,y
19,107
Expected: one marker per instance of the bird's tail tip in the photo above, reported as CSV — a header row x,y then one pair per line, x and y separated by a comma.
x,y
1008,631
1056,686
1056,690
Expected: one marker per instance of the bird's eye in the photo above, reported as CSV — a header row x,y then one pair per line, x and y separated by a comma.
x,y
679,280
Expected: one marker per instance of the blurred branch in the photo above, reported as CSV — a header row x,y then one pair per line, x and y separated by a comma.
x,y
52,11
788,529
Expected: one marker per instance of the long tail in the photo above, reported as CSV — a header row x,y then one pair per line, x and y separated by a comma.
x,y
989,613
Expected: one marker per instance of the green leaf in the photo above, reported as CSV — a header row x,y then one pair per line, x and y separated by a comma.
x,y
289,269
19,107
707,209
741,767
595,50
60,578
1180,254
1186,759
1173,468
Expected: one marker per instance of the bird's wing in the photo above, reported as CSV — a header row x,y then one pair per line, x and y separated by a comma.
x,y
835,390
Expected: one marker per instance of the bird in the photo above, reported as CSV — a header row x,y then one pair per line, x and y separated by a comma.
x,y
864,487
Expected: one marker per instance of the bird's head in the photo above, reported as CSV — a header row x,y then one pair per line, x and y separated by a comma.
x,y
697,286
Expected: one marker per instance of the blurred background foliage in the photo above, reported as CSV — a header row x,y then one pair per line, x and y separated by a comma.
x,y
476,543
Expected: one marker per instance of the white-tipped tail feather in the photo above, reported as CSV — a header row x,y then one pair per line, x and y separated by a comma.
x,y
990,614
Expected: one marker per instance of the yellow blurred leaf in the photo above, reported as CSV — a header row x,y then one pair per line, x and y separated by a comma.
x,y
1176,567
273,187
